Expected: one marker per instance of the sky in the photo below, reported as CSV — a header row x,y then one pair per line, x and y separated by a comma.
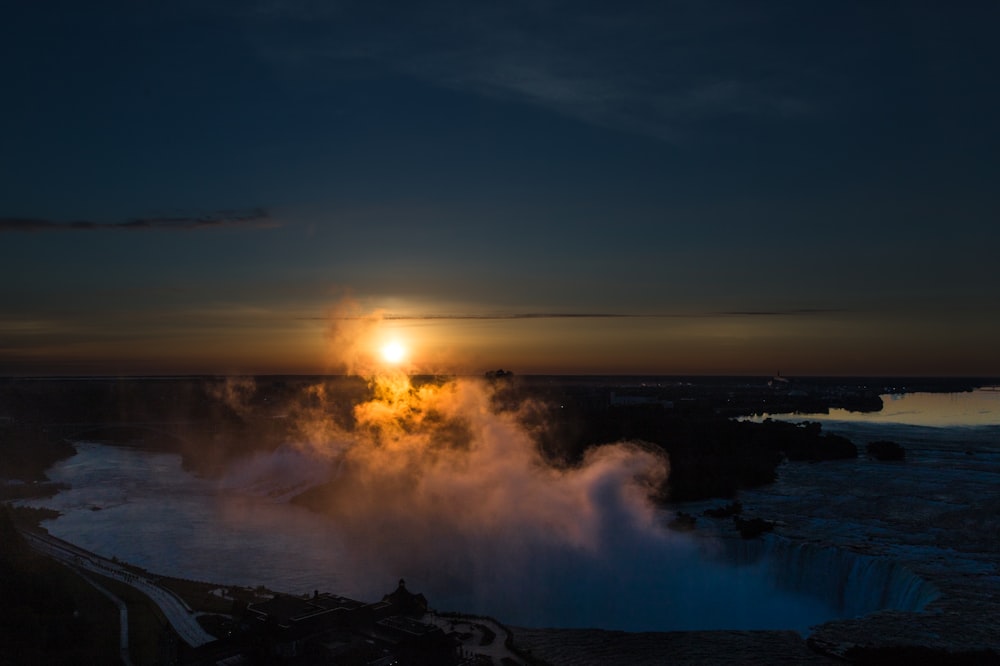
x,y
703,187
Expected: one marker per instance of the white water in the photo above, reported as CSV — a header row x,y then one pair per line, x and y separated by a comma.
x,y
854,585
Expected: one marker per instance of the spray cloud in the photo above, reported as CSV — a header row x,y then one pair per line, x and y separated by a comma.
x,y
430,482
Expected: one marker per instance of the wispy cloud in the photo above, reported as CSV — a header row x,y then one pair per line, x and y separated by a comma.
x,y
655,70
255,218
781,313
589,315
516,315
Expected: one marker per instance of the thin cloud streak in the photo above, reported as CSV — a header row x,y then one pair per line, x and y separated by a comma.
x,y
517,315
255,218
590,315
781,313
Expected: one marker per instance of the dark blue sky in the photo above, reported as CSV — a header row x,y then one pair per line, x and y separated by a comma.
x,y
808,187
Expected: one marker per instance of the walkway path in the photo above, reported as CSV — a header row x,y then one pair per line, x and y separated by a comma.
x,y
122,618
480,636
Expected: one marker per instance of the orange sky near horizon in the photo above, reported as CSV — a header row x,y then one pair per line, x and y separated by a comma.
x,y
830,343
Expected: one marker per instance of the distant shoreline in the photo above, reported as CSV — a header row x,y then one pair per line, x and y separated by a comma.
x,y
905,383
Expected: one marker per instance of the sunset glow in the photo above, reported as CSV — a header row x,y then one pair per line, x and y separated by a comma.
x,y
665,333
393,352
488,209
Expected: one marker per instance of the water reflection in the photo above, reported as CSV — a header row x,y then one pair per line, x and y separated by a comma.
x,y
142,507
974,408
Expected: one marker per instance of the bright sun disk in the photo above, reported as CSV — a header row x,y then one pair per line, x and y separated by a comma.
x,y
393,352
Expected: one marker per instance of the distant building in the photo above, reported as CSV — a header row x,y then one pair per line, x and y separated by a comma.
x,y
286,611
405,602
327,628
288,627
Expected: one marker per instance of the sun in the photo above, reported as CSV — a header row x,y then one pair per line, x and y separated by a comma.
x,y
393,352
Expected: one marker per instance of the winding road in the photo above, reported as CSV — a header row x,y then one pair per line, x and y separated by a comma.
x,y
178,613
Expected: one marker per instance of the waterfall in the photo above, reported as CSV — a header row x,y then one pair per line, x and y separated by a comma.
x,y
851,583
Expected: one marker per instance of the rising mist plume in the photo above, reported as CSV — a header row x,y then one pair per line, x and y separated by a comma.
x,y
431,482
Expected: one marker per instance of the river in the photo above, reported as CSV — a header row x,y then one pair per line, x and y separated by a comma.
x,y
142,507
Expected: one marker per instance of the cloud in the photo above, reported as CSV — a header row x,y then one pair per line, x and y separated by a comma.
x,y
656,71
583,315
350,337
515,315
254,218
781,313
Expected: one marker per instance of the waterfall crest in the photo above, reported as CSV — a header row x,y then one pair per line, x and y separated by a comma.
x,y
851,583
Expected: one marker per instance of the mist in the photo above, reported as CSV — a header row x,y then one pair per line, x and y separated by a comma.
x,y
433,483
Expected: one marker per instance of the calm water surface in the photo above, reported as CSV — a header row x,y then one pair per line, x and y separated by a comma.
x,y
144,508
974,408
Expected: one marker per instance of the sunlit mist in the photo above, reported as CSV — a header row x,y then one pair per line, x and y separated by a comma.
x,y
433,481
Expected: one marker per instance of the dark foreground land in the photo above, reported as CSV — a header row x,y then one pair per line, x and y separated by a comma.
x,y
55,617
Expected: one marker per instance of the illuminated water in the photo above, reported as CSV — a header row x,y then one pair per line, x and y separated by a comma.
x,y
143,508
975,408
